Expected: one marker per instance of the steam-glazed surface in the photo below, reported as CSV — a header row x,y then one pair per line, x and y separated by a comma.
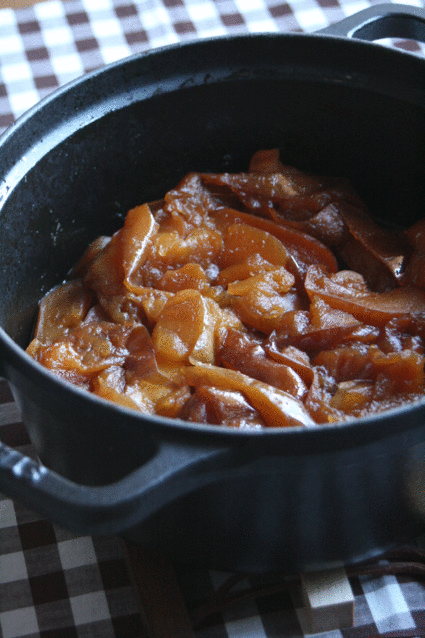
x,y
260,299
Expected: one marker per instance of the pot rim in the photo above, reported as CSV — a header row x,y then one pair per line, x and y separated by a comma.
x,y
316,36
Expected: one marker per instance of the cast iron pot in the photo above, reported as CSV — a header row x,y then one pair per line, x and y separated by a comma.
x,y
71,168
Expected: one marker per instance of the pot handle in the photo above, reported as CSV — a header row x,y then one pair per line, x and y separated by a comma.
x,y
381,21
175,470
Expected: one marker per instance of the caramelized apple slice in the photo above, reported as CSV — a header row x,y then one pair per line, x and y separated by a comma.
x,y
242,241
347,291
405,369
266,162
143,395
191,200
288,189
416,235
319,397
346,363
239,352
64,307
190,276
375,272
136,236
261,300
170,251
140,360
303,249
152,301
276,407
105,274
321,328
294,358
226,319
275,280
156,398
124,308
415,271
92,251
220,407
117,264
92,347
170,404
404,333
110,385
351,396
390,248
252,265
327,225
388,402
186,328
96,314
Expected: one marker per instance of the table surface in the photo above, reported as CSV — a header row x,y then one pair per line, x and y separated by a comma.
x,y
58,584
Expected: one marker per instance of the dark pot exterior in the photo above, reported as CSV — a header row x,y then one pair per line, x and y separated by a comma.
x,y
71,168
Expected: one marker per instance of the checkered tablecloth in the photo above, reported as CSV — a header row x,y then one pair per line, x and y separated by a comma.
x,y
57,584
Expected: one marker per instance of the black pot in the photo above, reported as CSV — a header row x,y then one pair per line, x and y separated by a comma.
x,y
72,167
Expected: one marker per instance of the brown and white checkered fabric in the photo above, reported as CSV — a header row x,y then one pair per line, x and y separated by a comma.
x,y
54,583
51,43
57,584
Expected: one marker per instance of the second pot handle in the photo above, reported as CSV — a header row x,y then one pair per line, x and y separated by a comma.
x,y
381,21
